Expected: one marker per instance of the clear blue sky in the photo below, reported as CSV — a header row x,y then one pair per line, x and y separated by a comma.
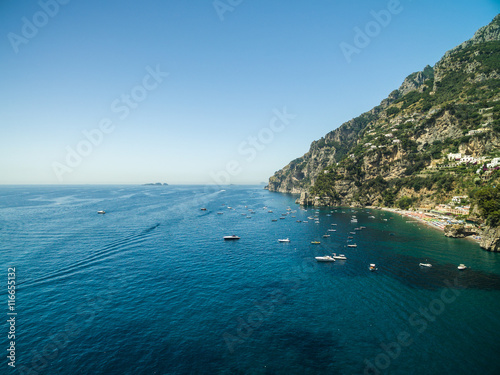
x,y
230,70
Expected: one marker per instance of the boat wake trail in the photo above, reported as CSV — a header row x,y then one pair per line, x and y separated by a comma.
x,y
112,248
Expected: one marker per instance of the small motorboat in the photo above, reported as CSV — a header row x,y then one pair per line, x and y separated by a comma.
x,y
203,209
220,213
352,245
350,237
270,211
299,221
326,235
315,242
282,218
326,258
233,237
102,212
425,265
283,240
274,220
372,267
339,257
462,267
332,230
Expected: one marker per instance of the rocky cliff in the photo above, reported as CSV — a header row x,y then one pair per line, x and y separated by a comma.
x,y
398,153
400,147
490,239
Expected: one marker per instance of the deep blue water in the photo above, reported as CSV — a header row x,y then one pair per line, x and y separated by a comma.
x,y
151,287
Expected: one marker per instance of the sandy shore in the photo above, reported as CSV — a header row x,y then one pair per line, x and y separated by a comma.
x,y
430,221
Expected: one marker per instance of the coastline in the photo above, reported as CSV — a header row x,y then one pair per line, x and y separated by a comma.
x,y
429,221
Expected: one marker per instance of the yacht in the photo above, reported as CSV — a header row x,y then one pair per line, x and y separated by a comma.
x,y
332,230
425,265
462,267
352,245
233,237
283,240
339,257
326,258
102,212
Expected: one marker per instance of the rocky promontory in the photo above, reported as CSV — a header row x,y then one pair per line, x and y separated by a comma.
x,y
490,239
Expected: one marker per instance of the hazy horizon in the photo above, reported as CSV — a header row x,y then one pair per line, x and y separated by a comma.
x,y
215,92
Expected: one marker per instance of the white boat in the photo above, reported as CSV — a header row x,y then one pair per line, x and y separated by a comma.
x,y
462,267
332,230
283,240
372,267
326,235
326,258
339,257
101,212
333,224
352,245
354,220
425,265
233,237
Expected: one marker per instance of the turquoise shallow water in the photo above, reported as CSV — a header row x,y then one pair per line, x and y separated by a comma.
x,y
151,287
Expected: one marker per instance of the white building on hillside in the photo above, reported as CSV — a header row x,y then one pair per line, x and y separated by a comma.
x,y
494,163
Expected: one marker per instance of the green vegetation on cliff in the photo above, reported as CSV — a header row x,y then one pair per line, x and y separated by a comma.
x,y
397,154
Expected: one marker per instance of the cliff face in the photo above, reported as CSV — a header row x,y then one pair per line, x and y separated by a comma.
x,y
399,149
490,239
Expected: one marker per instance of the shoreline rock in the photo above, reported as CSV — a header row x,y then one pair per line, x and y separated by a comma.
x,y
490,239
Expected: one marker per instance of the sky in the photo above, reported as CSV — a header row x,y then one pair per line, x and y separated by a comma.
x,y
201,91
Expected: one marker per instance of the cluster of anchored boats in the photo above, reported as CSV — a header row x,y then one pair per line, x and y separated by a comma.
x,y
334,257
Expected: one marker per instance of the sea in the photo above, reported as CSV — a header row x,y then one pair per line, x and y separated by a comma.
x,y
151,286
